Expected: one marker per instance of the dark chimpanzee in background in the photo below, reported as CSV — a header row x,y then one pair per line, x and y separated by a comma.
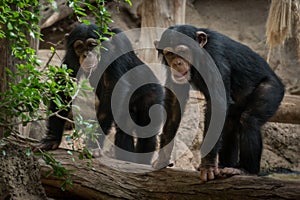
x,y
80,53
253,94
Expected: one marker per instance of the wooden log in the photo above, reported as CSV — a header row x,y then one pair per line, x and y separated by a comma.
x,y
112,179
51,16
289,110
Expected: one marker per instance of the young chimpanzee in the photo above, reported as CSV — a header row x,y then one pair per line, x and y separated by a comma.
x,y
117,58
252,95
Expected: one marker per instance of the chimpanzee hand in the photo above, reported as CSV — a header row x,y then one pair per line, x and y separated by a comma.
x,y
209,173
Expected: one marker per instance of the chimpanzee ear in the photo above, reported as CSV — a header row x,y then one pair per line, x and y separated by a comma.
x,y
156,43
201,38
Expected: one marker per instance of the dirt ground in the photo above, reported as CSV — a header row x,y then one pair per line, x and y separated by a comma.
x,y
245,22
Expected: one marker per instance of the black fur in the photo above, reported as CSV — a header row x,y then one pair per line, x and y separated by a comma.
x,y
119,60
253,94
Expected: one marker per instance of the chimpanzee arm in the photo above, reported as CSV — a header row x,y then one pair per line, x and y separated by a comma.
x,y
209,163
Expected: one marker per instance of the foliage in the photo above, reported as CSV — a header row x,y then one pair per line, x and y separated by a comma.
x,y
16,19
23,102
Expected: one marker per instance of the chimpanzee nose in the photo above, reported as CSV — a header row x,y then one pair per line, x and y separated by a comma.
x,y
85,54
178,63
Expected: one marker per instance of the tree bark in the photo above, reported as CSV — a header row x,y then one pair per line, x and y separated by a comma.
x,y
125,180
3,64
162,14
19,174
6,61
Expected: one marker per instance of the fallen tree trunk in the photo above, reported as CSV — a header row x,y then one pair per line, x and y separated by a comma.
x,y
51,16
289,110
112,179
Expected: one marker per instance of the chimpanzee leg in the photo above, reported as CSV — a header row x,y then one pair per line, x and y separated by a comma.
x,y
173,110
55,124
146,141
169,130
104,116
55,128
262,104
124,148
147,98
251,144
145,147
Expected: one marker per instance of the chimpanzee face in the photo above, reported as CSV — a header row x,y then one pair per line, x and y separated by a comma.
x,y
178,59
180,56
85,50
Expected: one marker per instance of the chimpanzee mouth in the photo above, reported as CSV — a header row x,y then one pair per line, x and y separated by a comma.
x,y
181,75
89,68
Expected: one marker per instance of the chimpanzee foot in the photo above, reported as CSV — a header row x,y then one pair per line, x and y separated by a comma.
x,y
97,153
209,173
46,145
229,171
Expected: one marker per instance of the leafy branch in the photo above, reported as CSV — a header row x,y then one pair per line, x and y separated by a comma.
x,y
33,86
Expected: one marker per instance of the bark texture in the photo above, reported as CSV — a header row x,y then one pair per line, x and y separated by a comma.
x,y
19,174
113,179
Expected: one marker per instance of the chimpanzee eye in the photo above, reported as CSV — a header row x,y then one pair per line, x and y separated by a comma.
x,y
182,50
93,44
79,47
168,53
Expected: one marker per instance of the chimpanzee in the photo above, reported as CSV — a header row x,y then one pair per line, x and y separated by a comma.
x,y
252,95
117,58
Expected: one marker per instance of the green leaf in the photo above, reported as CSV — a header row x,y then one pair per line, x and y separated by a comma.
x,y
129,2
31,33
64,186
37,85
81,156
10,26
87,22
28,152
57,102
70,153
52,49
